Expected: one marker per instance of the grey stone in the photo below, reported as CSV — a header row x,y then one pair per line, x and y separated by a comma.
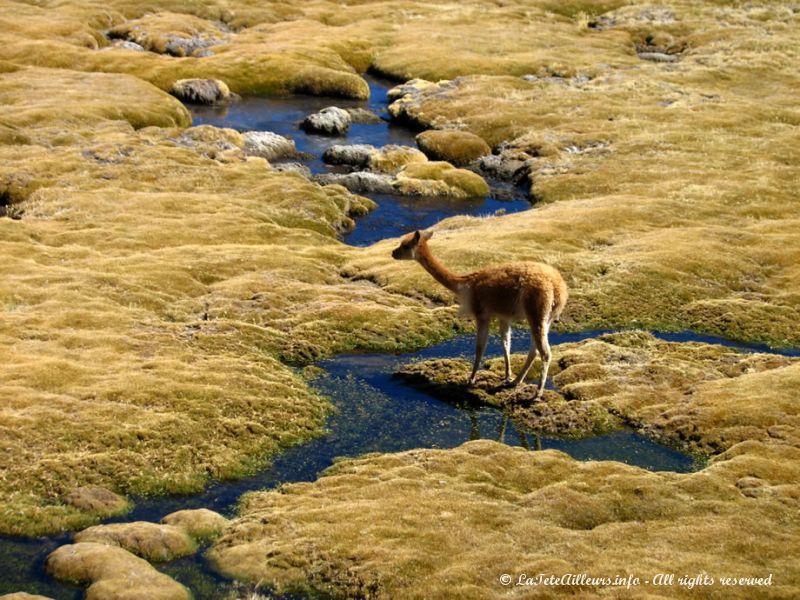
x,y
362,115
505,166
183,46
201,91
293,167
359,183
269,145
658,57
125,45
330,121
354,155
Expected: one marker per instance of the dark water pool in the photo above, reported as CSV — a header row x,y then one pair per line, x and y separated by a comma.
x,y
395,214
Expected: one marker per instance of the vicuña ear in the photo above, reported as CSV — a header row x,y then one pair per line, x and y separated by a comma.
x,y
416,237
426,235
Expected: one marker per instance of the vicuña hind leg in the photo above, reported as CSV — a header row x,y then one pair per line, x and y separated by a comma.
x,y
528,361
544,349
480,346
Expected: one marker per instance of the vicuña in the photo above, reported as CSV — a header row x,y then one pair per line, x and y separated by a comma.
x,y
512,292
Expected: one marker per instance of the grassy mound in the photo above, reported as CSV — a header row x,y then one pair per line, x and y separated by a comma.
x,y
436,178
679,393
485,509
112,573
154,543
457,147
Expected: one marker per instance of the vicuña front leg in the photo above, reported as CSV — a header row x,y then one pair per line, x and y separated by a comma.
x,y
505,334
480,346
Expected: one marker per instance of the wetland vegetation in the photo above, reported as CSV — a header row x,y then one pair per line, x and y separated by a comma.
x,y
164,291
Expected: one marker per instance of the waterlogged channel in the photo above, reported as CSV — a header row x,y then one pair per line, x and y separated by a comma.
x,y
374,412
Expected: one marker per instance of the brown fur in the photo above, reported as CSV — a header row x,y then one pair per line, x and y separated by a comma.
x,y
512,292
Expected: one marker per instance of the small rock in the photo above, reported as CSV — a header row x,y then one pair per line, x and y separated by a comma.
x,y
360,183
218,143
658,57
364,116
354,155
269,145
200,523
293,167
750,482
188,46
546,79
508,165
411,87
97,500
201,91
125,45
112,573
149,540
329,121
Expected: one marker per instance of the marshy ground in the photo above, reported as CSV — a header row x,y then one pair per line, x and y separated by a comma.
x,y
159,287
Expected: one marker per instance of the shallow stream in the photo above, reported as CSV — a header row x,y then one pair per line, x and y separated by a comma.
x,y
395,214
374,412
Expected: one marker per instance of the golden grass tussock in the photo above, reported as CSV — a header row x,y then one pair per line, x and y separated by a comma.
x,y
252,62
112,572
457,147
43,97
199,523
162,32
485,509
434,178
153,542
391,159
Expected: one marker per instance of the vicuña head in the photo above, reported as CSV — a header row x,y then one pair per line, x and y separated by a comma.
x,y
528,291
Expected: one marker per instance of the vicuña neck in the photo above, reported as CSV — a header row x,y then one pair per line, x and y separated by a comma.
x,y
439,272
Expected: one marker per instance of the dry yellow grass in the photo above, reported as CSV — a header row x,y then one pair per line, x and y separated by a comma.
x,y
153,542
147,293
440,178
157,280
485,509
457,147
112,572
